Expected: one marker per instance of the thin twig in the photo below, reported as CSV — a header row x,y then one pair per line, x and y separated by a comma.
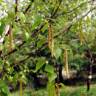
x,y
28,7
16,8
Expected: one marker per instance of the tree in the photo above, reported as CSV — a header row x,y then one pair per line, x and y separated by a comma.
x,y
39,31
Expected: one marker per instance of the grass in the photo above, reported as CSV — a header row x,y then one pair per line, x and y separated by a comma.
x,y
28,92
65,91
78,91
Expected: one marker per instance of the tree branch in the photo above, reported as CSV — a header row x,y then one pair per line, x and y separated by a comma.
x,y
34,32
16,8
14,50
78,6
54,13
71,23
70,11
28,7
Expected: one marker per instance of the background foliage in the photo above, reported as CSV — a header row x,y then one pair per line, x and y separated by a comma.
x,y
24,50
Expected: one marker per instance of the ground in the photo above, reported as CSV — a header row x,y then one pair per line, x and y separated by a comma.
x,y
65,91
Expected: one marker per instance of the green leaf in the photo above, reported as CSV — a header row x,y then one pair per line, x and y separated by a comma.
x,y
51,74
27,35
2,26
51,88
52,77
40,63
4,88
37,20
22,17
57,52
41,41
49,69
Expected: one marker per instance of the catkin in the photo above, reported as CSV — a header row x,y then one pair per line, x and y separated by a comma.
x,y
57,90
50,39
81,35
10,40
66,62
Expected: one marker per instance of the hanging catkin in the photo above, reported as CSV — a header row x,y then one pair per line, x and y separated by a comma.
x,y
49,35
57,90
50,39
10,40
16,8
66,62
80,33
21,88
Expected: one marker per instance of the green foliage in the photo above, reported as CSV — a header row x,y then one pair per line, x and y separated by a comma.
x,y
4,90
78,91
65,91
40,63
29,26
49,69
22,17
57,52
51,89
2,26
